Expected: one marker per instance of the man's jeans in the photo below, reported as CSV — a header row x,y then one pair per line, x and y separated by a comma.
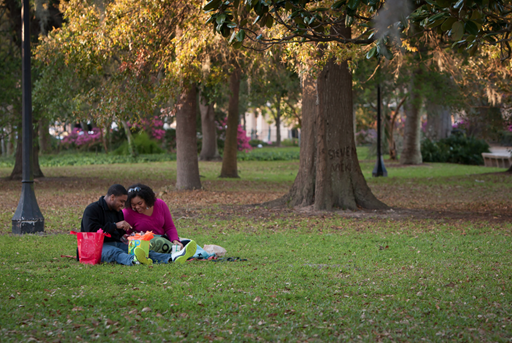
x,y
118,252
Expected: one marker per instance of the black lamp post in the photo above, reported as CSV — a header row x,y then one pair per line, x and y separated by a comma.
x,y
380,169
28,217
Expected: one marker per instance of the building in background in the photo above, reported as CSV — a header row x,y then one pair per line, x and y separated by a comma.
x,y
257,127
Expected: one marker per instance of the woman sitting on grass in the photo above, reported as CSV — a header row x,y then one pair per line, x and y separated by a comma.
x,y
144,212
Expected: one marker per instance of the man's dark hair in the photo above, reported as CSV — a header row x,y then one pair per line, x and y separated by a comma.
x,y
116,190
143,192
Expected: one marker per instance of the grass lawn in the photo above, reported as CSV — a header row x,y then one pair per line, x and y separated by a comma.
x,y
437,268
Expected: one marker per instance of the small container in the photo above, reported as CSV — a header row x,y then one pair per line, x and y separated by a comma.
x,y
124,240
175,248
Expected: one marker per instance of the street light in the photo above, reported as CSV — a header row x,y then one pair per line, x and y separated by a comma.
x,y
28,217
380,169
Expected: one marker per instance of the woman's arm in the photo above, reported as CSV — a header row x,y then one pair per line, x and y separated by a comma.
x,y
169,227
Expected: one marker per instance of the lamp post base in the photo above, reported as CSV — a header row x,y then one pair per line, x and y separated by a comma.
x,y
28,217
380,169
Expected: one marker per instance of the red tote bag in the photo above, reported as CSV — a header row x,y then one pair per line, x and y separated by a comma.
x,y
89,246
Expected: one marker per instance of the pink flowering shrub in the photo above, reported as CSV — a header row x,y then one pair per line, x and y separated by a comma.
x,y
81,138
153,126
241,136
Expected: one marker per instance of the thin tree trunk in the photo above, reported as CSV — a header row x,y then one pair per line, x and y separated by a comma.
x,y
44,136
17,170
104,138
3,146
209,151
329,173
186,141
36,168
411,154
131,145
278,122
16,173
11,140
391,130
229,163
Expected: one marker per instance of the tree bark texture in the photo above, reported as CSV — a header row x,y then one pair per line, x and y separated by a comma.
x,y
209,151
16,173
229,163
44,136
411,153
329,174
439,121
186,141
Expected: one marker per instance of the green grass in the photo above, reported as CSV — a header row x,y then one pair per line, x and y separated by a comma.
x,y
310,277
338,280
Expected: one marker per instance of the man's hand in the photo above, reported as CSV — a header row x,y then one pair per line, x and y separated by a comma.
x,y
123,225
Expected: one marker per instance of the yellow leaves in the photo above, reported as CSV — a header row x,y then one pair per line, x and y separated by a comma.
x,y
408,47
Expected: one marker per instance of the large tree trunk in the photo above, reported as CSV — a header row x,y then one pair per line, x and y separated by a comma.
x,y
329,173
186,141
36,168
229,163
439,121
411,154
209,151
44,136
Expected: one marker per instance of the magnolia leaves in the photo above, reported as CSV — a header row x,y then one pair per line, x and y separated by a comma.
x,y
461,21
237,38
300,17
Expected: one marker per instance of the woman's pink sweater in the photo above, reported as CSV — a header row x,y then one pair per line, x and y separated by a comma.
x,y
160,222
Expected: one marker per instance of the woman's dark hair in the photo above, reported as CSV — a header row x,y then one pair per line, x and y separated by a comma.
x,y
143,192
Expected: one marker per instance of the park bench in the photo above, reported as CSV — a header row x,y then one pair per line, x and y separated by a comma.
x,y
500,159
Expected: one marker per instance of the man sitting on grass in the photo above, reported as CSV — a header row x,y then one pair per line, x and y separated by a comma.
x,y
107,214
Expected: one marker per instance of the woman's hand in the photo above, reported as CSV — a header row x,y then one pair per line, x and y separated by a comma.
x,y
178,243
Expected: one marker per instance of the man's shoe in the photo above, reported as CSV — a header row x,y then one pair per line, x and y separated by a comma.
x,y
140,256
184,254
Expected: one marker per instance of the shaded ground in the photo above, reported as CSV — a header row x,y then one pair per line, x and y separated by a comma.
x,y
66,191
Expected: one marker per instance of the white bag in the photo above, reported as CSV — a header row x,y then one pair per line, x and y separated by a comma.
x,y
215,249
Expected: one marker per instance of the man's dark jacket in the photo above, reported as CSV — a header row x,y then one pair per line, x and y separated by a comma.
x,y
98,216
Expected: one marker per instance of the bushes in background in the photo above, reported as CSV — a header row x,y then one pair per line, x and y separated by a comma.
x,y
143,144
457,148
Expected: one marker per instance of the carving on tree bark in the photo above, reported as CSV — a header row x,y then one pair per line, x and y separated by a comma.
x,y
329,174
